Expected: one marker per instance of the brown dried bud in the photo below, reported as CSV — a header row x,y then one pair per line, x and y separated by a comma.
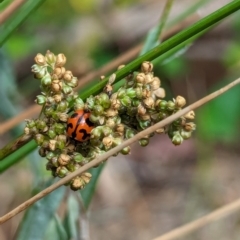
x,y
27,130
149,102
115,104
160,130
86,177
111,113
141,109
52,144
77,183
68,76
56,85
107,141
120,129
110,123
40,59
63,117
190,126
180,101
145,117
64,159
149,78
59,71
146,67
57,98
190,115
155,83
140,78
120,67
60,60
160,93
146,93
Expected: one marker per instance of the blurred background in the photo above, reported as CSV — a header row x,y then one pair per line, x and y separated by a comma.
x,y
159,187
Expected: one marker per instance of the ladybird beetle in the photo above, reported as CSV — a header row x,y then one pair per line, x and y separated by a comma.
x,y
79,126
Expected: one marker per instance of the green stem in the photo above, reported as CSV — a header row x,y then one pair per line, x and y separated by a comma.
x,y
17,156
168,45
154,34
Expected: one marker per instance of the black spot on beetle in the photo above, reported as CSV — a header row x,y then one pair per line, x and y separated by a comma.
x,y
85,134
89,123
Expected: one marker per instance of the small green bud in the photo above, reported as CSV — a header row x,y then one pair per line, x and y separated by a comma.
x,y
51,133
126,101
143,142
144,124
126,150
129,133
162,105
78,157
177,138
40,124
61,171
131,93
106,130
40,74
40,99
46,80
186,135
59,128
54,161
96,132
62,106
90,102
103,100
60,144
98,110
93,118
67,89
73,83
50,155
39,138
50,58
170,106
121,93
36,68
78,104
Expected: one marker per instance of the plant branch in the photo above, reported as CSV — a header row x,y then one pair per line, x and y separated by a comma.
x,y
10,10
220,213
115,150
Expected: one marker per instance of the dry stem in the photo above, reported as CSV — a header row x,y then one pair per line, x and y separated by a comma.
x,y
203,221
9,10
115,150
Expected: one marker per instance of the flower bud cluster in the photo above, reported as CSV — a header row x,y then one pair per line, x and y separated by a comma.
x,y
134,107
116,116
49,130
